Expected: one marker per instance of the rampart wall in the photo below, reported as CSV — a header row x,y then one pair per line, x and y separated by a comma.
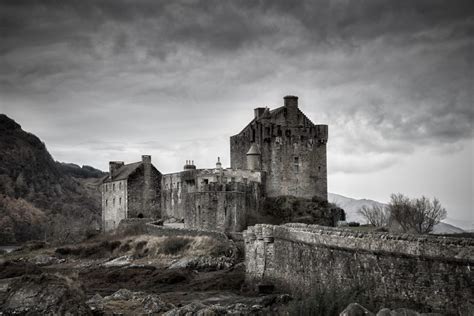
x,y
434,273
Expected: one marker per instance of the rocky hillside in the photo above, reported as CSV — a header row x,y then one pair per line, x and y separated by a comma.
x,y
39,197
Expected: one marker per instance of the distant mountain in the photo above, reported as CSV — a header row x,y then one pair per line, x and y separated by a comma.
x,y
445,228
351,206
39,197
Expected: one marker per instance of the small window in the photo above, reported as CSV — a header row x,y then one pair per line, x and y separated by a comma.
x,y
120,201
106,202
297,159
206,181
232,179
113,201
120,185
113,187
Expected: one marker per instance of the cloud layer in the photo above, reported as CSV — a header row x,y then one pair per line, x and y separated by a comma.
x,y
108,80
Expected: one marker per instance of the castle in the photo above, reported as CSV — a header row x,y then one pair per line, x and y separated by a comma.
x,y
280,152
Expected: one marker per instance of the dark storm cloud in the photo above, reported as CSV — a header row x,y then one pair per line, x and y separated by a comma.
x,y
388,76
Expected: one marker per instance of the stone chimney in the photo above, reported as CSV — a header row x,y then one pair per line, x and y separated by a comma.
x,y
291,106
291,101
146,202
146,159
259,112
113,167
189,165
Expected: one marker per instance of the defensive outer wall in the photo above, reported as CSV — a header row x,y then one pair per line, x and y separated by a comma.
x,y
434,272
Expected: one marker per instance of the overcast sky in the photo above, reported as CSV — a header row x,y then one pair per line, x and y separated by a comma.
x,y
112,80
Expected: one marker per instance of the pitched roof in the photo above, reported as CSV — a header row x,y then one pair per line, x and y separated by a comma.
x,y
253,150
271,114
124,172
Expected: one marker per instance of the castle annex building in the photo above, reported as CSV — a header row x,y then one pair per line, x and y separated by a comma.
x,y
280,152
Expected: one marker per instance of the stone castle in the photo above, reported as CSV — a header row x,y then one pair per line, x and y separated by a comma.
x,y
280,152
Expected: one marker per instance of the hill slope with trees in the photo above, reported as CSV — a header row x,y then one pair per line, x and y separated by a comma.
x,y
39,197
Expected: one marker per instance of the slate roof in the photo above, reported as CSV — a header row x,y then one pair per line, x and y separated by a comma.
x,y
271,114
124,172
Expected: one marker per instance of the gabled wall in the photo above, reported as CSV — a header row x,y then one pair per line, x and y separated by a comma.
x,y
144,193
114,203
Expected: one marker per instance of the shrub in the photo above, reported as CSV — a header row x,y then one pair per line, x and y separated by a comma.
x,y
418,215
353,224
173,245
376,215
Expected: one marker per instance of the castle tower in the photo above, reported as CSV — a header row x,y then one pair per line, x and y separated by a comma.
x,y
288,147
253,158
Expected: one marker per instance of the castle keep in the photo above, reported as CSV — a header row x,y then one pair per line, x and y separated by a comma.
x,y
280,152
288,147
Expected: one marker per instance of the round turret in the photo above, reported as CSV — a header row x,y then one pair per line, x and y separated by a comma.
x,y
253,157
218,163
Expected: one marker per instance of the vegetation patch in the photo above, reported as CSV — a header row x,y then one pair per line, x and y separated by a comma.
x,y
174,245
285,209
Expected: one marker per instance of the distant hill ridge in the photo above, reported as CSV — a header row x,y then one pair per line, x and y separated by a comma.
x,y
351,206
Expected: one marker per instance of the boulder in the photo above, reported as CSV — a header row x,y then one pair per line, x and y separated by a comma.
x,y
45,294
153,304
355,309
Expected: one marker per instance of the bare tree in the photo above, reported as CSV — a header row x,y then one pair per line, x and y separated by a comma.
x,y
376,215
418,215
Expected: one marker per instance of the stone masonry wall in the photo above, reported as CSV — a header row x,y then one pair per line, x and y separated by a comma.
x,y
144,195
217,199
293,153
114,204
222,206
436,273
